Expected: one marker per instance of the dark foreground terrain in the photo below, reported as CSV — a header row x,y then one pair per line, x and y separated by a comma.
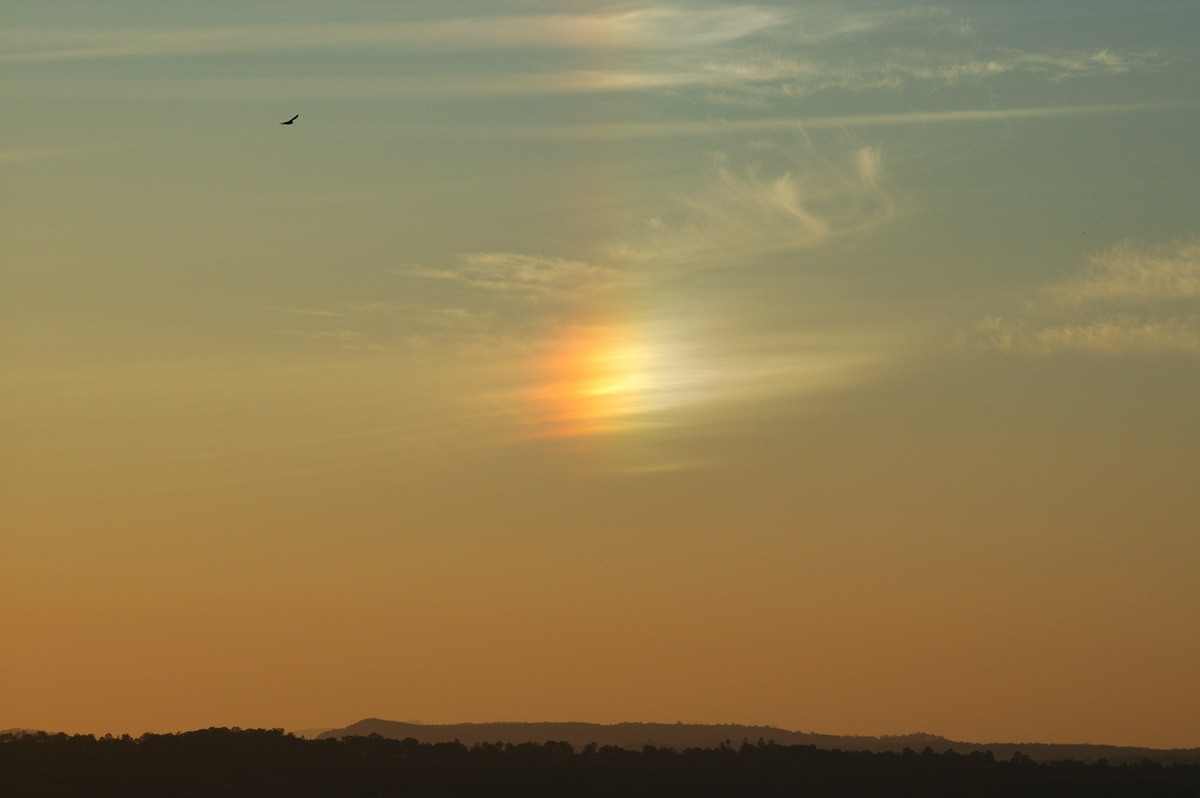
x,y
263,763
681,736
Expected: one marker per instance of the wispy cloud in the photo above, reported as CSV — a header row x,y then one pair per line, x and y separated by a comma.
x,y
1133,272
748,55
1055,66
342,338
1117,335
786,210
1132,299
791,196
676,26
523,275
583,373
653,27
788,193
409,326
559,358
673,28
650,130
343,88
305,311
768,77
40,45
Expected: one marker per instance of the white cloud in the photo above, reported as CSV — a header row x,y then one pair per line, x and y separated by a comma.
x,y
1132,299
1129,271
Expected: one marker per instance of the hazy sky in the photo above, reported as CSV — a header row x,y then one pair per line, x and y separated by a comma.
x,y
828,365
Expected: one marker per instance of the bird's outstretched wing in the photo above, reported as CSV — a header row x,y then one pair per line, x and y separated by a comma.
x,y
290,121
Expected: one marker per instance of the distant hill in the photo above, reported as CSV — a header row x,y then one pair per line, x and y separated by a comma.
x,y
309,734
685,735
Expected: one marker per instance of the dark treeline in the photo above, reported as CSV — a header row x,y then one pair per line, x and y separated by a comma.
x,y
265,763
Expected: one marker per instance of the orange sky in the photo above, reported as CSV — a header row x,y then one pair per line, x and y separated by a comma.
x,y
615,363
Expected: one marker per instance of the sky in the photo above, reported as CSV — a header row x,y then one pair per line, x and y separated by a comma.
x,y
831,366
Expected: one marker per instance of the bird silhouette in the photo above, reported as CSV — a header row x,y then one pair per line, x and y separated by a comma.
x,y
290,121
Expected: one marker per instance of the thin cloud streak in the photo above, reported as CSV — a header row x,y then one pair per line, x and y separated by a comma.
x,y
524,275
1052,66
668,27
727,85
762,79
304,311
617,131
344,89
648,28
56,45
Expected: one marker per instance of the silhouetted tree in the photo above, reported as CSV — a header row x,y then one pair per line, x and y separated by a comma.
x,y
267,762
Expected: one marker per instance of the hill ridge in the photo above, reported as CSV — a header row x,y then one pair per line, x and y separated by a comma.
x,y
636,735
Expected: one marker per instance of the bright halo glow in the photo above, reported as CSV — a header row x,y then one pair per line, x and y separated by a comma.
x,y
601,379
596,380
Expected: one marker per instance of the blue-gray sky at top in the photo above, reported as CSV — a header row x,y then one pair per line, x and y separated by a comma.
x,y
881,319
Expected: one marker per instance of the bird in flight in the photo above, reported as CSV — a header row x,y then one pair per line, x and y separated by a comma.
x,y
290,121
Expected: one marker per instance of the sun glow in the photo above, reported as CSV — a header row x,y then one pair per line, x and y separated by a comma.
x,y
595,381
